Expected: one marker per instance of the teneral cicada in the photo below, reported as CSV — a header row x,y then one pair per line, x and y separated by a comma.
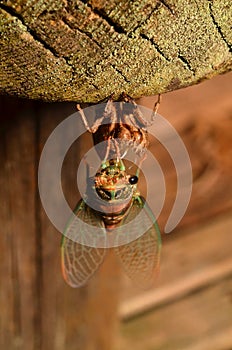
x,y
113,205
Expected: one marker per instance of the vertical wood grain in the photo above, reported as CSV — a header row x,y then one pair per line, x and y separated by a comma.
x,y
18,238
38,310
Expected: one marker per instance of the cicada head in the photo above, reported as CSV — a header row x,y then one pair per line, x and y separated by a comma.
x,y
112,183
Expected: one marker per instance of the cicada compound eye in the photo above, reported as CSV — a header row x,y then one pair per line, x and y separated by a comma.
x,y
133,180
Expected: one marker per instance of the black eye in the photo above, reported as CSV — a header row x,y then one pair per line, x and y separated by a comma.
x,y
133,180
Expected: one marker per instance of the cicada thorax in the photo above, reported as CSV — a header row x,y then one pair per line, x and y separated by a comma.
x,y
112,191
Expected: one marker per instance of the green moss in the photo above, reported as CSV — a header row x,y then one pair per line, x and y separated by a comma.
x,y
87,51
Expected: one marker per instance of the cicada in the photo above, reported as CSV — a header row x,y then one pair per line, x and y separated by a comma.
x,y
113,211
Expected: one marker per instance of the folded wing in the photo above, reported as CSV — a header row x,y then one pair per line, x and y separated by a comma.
x,y
140,258
79,260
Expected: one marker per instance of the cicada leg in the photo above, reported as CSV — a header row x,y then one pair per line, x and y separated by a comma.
x,y
138,113
83,117
156,107
96,124
108,112
141,160
117,150
107,152
118,154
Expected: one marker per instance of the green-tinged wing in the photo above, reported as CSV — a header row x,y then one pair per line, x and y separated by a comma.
x,y
80,261
140,258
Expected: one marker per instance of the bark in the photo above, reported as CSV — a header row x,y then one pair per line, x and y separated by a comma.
x,y
85,50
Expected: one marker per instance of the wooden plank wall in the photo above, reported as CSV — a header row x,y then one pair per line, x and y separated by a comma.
x,y
38,310
190,308
191,305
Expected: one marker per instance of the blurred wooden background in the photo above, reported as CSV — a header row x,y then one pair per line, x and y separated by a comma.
x,y
190,307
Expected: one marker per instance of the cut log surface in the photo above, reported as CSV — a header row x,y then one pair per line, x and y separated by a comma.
x,y
86,50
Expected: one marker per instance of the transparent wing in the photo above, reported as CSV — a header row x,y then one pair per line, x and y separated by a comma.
x,y
140,258
80,261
